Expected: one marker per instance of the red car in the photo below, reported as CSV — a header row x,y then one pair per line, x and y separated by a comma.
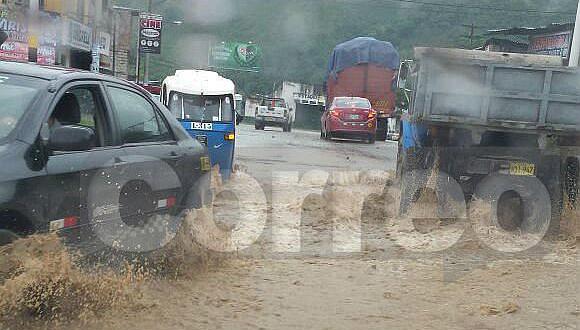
x,y
349,118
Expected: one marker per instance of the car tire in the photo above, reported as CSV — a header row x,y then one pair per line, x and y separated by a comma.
x,y
381,136
537,204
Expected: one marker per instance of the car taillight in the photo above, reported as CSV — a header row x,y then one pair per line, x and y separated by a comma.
x,y
335,113
372,114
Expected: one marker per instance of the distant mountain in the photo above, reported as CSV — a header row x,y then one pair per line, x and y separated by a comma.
x,y
297,36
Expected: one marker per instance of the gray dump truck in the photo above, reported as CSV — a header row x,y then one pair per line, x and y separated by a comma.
x,y
501,128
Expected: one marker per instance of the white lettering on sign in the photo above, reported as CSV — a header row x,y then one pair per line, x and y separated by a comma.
x,y
202,126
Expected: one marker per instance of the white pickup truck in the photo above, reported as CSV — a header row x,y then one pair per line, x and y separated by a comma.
x,y
275,113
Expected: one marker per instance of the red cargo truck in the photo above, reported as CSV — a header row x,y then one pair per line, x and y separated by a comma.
x,y
367,68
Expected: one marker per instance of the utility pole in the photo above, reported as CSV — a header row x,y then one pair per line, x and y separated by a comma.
x,y
471,33
575,49
146,73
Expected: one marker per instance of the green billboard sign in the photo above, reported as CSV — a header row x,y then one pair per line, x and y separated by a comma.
x,y
238,56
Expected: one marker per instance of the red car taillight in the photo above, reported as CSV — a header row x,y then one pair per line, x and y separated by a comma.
x,y
335,113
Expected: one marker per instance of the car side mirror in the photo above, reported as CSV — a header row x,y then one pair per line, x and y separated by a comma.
x,y
72,138
403,75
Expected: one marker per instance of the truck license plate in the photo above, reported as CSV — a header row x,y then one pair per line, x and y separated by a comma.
x,y
522,169
355,117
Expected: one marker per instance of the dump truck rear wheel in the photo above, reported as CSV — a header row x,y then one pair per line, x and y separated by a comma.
x,y
535,207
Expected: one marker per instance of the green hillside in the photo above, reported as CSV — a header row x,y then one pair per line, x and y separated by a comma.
x,y
297,36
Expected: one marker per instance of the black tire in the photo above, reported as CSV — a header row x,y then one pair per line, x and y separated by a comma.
x,y
381,136
535,197
257,126
382,130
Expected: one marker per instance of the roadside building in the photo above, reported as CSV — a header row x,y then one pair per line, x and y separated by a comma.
x,y
71,33
554,40
505,45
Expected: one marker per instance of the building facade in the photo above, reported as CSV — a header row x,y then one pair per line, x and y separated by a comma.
x,y
553,40
70,33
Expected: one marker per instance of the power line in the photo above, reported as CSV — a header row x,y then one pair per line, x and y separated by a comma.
x,y
449,5
457,9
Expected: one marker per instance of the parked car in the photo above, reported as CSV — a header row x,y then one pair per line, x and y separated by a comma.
x,y
274,112
75,146
349,118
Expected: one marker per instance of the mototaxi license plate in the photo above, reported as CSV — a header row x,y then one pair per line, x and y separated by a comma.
x,y
522,169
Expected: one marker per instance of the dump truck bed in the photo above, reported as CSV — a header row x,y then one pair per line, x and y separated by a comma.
x,y
497,90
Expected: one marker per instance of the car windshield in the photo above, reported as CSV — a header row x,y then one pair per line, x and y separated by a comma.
x,y
16,96
217,108
352,103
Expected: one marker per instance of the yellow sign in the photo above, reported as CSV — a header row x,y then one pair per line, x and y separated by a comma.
x,y
33,41
522,169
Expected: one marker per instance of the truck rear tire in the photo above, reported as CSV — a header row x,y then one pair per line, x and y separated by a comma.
x,y
382,129
536,214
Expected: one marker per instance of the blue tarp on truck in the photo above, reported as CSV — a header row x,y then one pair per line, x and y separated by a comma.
x,y
363,50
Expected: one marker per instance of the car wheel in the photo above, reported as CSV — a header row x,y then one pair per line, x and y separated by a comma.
x,y
381,136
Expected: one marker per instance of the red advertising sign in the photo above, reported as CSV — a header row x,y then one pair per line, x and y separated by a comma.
x,y
46,55
16,46
555,44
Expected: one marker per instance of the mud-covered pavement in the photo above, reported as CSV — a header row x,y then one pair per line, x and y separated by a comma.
x,y
329,253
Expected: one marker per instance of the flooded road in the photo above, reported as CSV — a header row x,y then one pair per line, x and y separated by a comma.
x,y
331,255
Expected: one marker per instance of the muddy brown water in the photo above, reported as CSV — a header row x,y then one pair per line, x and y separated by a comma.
x,y
357,267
